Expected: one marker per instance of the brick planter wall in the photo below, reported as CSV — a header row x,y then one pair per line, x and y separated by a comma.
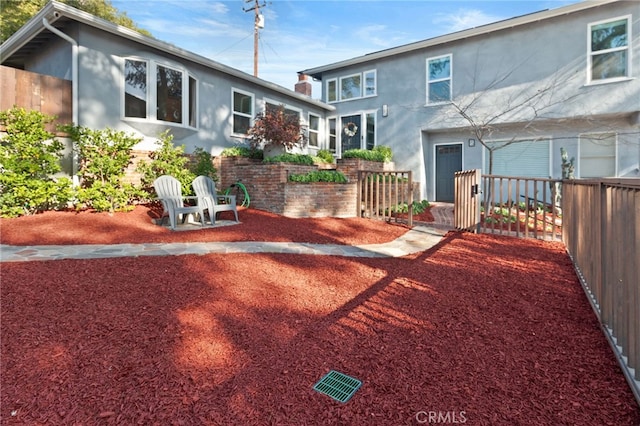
x,y
320,199
269,188
350,166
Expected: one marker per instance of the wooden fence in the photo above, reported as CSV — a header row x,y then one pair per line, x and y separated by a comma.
x,y
508,205
466,213
385,195
602,236
31,91
521,206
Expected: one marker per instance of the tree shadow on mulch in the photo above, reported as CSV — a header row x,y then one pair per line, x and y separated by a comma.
x,y
494,330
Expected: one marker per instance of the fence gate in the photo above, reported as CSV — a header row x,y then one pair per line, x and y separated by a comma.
x,y
466,210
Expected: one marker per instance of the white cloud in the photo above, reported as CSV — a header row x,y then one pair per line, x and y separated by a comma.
x,y
464,19
218,8
374,35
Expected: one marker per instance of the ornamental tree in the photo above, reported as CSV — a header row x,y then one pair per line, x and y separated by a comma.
x,y
277,127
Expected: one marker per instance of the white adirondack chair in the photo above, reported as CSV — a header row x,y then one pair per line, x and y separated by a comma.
x,y
208,198
169,193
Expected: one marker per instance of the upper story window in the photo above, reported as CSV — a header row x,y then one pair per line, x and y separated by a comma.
x,y
314,130
352,86
439,79
609,49
242,111
332,90
175,93
370,83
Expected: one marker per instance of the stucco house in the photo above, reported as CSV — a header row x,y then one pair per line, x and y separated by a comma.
x,y
130,82
528,86
563,78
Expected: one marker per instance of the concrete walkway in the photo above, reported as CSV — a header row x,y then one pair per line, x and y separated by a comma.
x,y
417,239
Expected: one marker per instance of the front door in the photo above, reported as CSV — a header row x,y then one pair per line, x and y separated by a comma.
x,y
351,132
448,161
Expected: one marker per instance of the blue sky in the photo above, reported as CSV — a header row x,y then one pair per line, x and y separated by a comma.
x,y
301,34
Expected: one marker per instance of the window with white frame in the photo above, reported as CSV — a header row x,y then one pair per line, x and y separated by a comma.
x,y
439,79
332,90
528,158
175,93
193,95
597,155
370,126
242,111
370,83
288,110
333,134
314,130
350,87
609,49
168,94
135,88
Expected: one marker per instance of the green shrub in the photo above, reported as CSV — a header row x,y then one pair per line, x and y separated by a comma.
x,y
104,156
166,160
242,151
390,178
418,207
203,166
319,176
380,153
291,158
29,156
325,156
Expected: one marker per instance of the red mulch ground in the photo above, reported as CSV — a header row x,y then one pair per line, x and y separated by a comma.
x,y
87,227
482,329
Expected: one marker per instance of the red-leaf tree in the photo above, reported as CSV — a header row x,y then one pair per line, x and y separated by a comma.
x,y
277,127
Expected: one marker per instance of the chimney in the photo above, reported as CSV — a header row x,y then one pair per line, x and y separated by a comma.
x,y
303,86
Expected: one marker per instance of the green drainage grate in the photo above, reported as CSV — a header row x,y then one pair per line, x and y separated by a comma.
x,y
338,386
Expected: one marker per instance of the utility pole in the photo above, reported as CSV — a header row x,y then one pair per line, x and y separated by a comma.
x,y
258,24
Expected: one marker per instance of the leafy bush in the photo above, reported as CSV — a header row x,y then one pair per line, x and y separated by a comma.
x,y
418,207
380,153
325,156
29,156
166,160
276,127
104,156
390,178
242,151
202,166
319,176
291,158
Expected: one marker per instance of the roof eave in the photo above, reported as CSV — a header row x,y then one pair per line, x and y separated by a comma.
x,y
27,31
35,26
317,72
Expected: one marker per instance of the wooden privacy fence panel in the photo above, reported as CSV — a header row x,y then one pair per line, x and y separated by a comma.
x,y
466,212
31,91
602,235
385,194
521,207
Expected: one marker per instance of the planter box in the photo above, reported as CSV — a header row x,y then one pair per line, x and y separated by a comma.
x,y
269,187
